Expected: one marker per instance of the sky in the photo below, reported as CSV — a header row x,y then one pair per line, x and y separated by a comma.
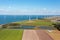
x,y
29,7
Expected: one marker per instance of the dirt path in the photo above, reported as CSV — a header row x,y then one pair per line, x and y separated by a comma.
x,y
35,35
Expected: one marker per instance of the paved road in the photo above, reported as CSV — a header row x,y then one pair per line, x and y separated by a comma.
x,y
35,35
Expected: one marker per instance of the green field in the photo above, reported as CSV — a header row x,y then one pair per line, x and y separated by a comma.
x,y
37,22
11,34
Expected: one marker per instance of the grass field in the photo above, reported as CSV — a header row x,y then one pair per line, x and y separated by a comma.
x,y
8,34
37,22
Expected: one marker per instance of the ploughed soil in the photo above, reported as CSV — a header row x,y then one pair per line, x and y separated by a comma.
x,y
35,35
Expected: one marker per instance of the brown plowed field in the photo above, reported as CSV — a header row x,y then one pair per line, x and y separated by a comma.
x,y
35,35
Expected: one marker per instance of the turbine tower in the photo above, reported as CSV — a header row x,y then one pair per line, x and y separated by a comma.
x,y
29,18
36,17
9,6
4,18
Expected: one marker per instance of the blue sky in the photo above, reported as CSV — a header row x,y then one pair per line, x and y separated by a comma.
x,y
29,7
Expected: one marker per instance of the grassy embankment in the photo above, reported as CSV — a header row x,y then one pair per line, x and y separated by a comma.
x,y
35,23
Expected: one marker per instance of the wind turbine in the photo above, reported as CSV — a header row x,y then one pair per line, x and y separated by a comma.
x,y
36,17
29,18
10,1
4,18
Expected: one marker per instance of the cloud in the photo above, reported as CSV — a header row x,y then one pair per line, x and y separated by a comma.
x,y
44,11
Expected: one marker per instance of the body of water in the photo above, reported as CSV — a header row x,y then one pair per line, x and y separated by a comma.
x,y
4,19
